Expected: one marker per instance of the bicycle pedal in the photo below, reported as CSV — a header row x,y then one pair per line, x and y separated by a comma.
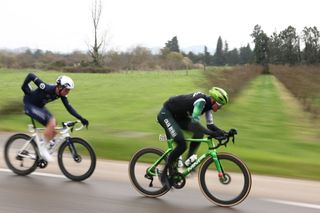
x,y
42,164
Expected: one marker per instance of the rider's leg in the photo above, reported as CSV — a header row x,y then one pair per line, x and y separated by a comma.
x,y
194,145
174,131
43,116
174,155
172,160
50,132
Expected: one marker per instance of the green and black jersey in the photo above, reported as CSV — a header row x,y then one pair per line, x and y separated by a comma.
x,y
190,105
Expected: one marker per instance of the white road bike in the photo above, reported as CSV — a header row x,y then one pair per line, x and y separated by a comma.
x,y
76,157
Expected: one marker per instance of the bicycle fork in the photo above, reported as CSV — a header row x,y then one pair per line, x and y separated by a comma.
x,y
73,150
221,174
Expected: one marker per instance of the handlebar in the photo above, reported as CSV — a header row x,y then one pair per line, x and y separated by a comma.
x,y
224,139
71,125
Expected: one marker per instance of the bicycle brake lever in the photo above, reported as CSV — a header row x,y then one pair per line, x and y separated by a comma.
x,y
227,142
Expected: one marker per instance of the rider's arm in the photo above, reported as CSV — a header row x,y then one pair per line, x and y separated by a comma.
x,y
195,125
198,106
209,117
37,81
210,124
70,109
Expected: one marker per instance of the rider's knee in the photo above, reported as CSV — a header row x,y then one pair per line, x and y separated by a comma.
x,y
50,128
181,144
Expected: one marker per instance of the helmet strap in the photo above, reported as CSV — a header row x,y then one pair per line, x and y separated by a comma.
x,y
60,88
215,107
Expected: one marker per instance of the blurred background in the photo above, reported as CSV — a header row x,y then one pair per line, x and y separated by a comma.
x,y
272,76
276,114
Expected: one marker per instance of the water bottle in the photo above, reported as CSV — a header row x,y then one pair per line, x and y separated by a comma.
x,y
180,162
190,160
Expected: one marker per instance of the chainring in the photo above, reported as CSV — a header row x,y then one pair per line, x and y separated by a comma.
x,y
178,180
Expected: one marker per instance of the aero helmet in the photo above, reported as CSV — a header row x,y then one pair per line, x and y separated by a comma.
x,y
219,95
65,82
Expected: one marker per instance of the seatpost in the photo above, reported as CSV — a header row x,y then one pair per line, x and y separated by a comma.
x,y
33,123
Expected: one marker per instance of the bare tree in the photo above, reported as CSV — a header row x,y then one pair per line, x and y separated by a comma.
x,y
96,50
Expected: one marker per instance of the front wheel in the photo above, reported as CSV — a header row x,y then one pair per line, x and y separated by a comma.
x,y
144,169
228,188
20,154
76,159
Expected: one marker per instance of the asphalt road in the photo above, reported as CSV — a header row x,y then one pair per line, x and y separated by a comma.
x,y
37,193
109,190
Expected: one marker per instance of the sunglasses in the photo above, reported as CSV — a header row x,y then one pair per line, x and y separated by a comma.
x,y
216,106
219,105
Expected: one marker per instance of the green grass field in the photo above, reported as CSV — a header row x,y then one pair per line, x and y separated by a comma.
x,y
275,136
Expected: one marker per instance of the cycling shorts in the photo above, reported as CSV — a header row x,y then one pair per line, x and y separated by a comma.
x,y
42,115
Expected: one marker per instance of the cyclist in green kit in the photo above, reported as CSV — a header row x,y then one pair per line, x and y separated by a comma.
x,y
182,112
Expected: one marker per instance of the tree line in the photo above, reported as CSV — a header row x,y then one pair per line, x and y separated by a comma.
x,y
170,57
285,47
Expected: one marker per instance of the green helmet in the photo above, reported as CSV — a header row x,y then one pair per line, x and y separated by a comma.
x,y
219,95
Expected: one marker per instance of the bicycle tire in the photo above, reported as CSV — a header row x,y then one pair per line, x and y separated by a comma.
x,y
137,179
229,163
67,163
10,155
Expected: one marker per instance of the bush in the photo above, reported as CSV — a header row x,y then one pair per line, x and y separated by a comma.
x,y
303,83
88,69
13,107
232,79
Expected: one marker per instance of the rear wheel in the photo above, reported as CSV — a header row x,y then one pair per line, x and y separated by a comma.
x,y
231,188
20,154
143,176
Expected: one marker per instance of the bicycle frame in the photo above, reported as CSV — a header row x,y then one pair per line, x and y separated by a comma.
x,y
63,135
211,152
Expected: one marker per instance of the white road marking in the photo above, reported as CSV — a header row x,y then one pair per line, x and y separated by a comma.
x,y
291,203
37,173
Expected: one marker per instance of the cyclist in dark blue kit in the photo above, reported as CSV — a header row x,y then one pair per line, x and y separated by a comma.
x,y
183,112
35,101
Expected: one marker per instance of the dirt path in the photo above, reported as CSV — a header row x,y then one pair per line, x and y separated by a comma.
x,y
306,126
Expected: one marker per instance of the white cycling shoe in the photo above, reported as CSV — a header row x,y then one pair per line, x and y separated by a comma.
x,y
44,152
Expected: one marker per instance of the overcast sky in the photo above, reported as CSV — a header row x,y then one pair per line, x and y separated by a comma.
x,y
66,25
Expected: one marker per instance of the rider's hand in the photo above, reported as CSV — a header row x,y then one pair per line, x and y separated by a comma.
x,y
85,122
214,128
232,132
218,132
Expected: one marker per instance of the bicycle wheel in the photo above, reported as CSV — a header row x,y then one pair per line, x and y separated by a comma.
x,y
147,183
230,190
76,160
20,154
